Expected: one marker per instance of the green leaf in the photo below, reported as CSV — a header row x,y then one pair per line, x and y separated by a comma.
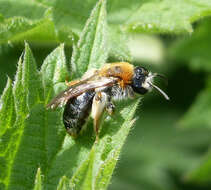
x,y
91,49
66,18
22,8
63,184
54,72
96,170
109,150
135,15
18,29
44,21
152,146
10,132
27,20
24,100
18,89
167,16
28,92
31,79
7,120
71,13
98,159
32,21
201,175
36,136
37,140
38,180
198,114
7,109
195,50
118,45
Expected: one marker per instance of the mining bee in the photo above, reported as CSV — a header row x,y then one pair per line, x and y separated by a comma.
x,y
97,90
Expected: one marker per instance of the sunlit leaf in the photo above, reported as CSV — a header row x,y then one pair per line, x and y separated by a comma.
x,y
19,28
54,73
91,49
38,180
195,51
96,170
63,184
167,16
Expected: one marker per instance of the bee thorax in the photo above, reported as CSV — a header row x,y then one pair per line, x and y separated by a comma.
x,y
118,93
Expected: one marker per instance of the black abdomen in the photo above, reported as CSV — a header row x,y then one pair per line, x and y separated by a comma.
x,y
76,112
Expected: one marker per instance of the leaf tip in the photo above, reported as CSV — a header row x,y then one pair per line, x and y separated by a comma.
x,y
7,87
61,45
38,180
9,81
63,183
26,45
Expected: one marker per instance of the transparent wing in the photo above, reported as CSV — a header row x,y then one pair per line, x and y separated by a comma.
x,y
79,88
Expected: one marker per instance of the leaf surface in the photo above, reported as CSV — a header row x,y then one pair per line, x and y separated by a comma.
x,y
91,50
36,139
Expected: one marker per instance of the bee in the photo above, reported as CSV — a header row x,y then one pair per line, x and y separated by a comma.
x,y
98,89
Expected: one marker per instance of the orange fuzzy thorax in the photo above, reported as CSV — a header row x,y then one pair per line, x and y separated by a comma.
x,y
122,70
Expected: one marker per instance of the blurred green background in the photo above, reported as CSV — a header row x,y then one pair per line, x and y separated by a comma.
x,y
168,148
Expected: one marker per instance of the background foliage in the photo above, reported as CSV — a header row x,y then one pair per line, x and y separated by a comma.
x,y
168,146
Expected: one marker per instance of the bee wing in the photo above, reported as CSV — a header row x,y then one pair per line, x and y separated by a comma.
x,y
80,88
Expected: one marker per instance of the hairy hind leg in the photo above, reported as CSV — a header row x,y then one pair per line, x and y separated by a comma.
x,y
98,105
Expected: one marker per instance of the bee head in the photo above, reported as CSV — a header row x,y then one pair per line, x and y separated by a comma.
x,y
142,81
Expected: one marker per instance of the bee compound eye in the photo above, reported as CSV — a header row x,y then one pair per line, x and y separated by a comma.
x,y
140,70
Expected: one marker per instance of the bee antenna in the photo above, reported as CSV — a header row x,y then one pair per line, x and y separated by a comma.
x,y
162,77
159,90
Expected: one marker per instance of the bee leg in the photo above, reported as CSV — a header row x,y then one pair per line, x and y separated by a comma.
x,y
71,82
110,108
68,83
98,105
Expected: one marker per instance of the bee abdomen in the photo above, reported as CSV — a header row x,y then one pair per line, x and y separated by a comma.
x,y
76,112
